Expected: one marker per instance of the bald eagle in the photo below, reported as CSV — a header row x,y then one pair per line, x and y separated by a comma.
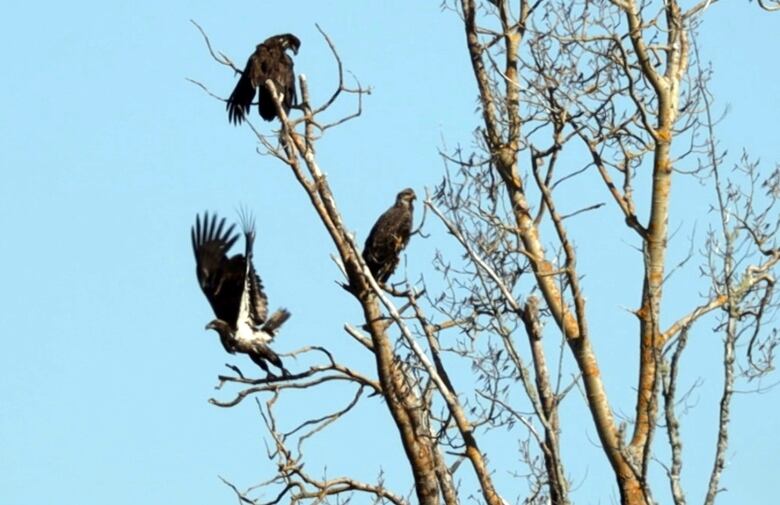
x,y
235,291
269,61
389,236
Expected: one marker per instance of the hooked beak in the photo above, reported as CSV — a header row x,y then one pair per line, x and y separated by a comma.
x,y
211,326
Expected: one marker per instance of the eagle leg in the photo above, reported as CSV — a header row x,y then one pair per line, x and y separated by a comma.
x,y
260,362
276,361
263,354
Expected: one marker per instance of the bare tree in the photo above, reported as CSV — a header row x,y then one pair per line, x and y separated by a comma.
x,y
617,90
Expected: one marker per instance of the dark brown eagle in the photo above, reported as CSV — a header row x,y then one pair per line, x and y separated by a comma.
x,y
389,236
235,291
269,61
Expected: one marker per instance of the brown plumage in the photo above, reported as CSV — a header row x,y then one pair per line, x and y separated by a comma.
x,y
269,61
235,291
389,237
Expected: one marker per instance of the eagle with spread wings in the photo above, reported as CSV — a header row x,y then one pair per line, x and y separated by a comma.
x,y
389,236
269,61
235,291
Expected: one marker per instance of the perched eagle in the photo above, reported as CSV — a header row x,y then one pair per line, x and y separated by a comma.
x,y
235,291
389,236
269,61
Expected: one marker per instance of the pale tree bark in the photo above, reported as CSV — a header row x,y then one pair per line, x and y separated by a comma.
x,y
618,84
645,57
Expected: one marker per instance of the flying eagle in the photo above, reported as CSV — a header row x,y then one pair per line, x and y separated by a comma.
x,y
235,291
269,61
389,236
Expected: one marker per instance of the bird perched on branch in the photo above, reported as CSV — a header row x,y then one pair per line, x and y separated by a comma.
x,y
389,237
269,61
235,291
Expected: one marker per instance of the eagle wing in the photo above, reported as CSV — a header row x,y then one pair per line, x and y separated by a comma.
x,y
387,239
221,278
253,308
241,99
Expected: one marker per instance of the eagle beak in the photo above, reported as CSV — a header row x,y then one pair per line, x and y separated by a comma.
x,y
211,326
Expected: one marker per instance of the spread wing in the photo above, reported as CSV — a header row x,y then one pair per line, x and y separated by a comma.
x,y
254,303
241,99
386,240
221,278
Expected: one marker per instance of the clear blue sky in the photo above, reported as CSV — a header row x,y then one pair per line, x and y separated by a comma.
x,y
107,153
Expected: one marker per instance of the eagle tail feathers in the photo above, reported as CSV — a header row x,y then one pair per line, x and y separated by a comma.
x,y
265,104
276,320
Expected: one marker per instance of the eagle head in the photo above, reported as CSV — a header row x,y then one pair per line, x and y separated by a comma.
x,y
219,326
289,41
405,197
226,335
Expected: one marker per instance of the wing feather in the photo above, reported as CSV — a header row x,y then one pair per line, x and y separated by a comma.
x,y
241,99
221,278
254,302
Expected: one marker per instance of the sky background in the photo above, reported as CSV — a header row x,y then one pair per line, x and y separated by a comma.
x,y
107,153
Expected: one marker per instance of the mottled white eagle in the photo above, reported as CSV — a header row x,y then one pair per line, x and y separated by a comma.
x,y
235,291
269,61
